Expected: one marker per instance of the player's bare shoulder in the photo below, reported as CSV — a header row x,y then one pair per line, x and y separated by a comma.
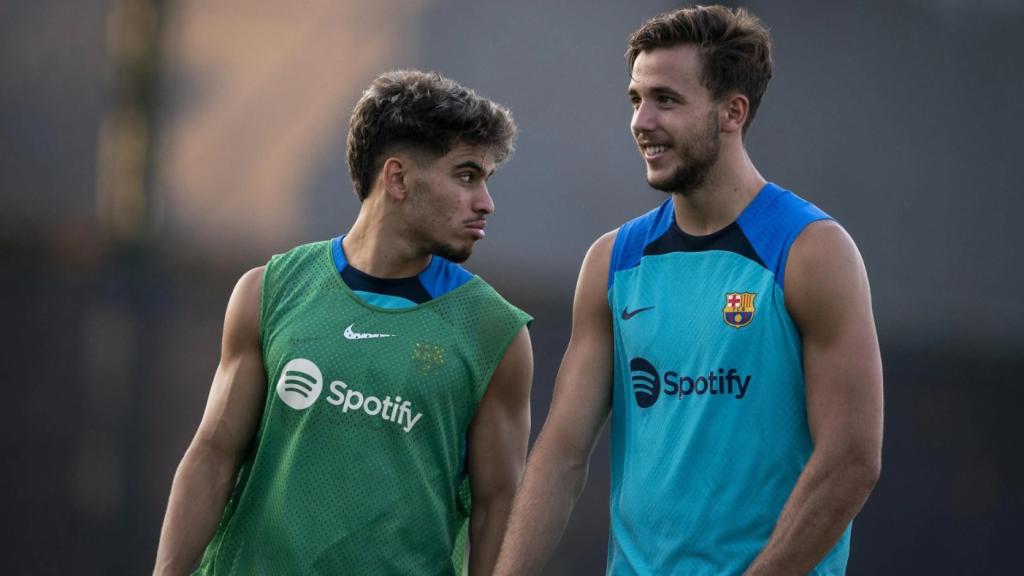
x,y
824,269
822,240
605,242
599,255
242,320
251,282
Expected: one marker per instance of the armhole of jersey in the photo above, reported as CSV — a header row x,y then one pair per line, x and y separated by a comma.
x,y
262,320
773,221
504,312
521,319
634,236
617,247
780,275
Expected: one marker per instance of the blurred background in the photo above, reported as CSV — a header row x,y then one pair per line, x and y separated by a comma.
x,y
153,151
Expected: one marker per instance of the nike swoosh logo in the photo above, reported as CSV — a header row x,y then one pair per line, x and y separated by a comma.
x,y
626,314
352,335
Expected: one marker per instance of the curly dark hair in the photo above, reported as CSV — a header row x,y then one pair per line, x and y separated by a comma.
x,y
735,48
426,114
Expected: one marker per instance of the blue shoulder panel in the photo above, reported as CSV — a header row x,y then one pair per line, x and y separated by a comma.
x,y
442,276
438,278
339,255
772,222
634,235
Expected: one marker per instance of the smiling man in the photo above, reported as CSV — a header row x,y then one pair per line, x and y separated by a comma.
x,y
728,332
372,395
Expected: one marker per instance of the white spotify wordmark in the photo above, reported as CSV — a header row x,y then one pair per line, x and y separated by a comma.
x,y
300,384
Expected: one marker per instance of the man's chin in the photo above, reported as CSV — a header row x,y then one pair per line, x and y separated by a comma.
x,y
664,183
680,182
453,254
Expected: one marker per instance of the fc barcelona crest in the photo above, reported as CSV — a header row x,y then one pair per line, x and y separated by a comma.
x,y
739,308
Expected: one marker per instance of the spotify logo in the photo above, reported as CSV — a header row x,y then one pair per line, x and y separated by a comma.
x,y
300,384
713,385
646,382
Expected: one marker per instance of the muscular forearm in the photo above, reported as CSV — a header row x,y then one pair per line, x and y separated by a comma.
x,y
827,496
542,508
487,527
198,495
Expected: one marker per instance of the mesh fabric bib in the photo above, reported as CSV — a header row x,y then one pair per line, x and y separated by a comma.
x,y
359,463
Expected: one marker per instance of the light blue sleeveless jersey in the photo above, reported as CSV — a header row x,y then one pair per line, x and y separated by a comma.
x,y
709,422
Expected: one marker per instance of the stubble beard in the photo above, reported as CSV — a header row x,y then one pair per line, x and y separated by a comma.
x,y
698,156
424,236
451,253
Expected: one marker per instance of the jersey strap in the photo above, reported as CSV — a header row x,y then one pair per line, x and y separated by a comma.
x,y
772,222
634,235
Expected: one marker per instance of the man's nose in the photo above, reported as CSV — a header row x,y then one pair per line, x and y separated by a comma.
x,y
643,119
483,203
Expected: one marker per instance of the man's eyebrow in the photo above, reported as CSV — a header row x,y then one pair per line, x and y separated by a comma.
x,y
470,164
474,165
667,91
657,91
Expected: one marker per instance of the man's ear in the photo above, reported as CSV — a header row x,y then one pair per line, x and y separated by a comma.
x,y
734,111
396,176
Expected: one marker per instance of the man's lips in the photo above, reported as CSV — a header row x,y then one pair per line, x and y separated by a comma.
x,y
652,152
476,228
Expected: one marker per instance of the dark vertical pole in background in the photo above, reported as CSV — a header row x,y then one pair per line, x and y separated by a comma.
x,y
118,329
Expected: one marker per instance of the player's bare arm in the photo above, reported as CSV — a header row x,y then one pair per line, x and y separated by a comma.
x,y
498,439
557,468
827,295
207,471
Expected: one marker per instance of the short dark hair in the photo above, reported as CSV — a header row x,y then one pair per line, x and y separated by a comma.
x,y
426,114
735,48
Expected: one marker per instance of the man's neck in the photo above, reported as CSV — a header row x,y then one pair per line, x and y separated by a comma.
x,y
375,245
719,201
